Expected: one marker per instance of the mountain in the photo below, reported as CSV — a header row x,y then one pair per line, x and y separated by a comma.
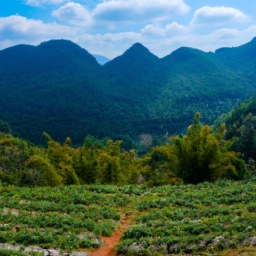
x,y
240,59
49,88
101,59
60,88
197,82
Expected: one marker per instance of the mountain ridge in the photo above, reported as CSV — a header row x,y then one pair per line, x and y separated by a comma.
x,y
59,87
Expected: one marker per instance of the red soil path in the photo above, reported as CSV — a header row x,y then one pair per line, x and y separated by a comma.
x,y
110,242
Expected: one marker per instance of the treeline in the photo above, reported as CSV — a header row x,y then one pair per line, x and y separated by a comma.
x,y
24,164
241,128
201,155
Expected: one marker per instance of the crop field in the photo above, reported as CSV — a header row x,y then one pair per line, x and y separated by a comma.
x,y
191,219
67,218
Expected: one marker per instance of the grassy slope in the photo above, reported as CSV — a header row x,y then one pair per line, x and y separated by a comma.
x,y
177,219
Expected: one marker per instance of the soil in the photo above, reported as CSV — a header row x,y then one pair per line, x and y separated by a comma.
x,y
241,252
108,249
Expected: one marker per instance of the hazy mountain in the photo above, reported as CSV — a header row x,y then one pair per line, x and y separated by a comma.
x,y
58,87
101,59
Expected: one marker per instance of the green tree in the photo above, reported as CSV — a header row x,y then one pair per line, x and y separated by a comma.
x,y
4,127
196,157
204,156
61,157
49,175
85,164
112,171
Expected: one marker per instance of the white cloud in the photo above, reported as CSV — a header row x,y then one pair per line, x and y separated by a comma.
x,y
228,37
72,11
109,44
16,29
159,31
139,10
153,30
107,13
217,15
42,2
225,37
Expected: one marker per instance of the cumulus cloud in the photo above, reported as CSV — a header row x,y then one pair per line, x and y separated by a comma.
x,y
157,30
224,37
108,13
72,11
16,29
109,44
153,30
217,15
134,10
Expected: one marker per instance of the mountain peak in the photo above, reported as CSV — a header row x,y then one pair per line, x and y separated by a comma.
x,y
254,39
183,54
60,44
66,49
139,51
138,47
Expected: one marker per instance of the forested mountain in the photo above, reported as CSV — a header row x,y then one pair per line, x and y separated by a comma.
x,y
196,82
241,59
58,87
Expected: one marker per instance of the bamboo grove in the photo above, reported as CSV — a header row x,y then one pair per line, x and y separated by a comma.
x,y
200,155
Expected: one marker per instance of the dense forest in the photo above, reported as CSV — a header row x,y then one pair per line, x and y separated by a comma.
x,y
59,88
241,128
200,155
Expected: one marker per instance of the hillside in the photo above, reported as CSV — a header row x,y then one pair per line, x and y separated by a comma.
x,y
58,87
240,59
170,220
241,128
196,82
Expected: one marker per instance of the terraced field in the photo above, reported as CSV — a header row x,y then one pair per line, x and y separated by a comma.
x,y
206,219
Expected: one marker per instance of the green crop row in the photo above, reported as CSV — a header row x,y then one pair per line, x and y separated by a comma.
x,y
192,219
169,219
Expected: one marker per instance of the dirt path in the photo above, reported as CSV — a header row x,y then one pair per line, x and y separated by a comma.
x,y
110,242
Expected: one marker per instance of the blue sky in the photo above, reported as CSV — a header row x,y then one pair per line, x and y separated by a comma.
x,y
109,27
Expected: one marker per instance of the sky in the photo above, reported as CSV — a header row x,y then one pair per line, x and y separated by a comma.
x,y
109,27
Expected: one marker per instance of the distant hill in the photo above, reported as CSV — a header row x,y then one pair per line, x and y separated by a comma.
x,y
101,59
60,88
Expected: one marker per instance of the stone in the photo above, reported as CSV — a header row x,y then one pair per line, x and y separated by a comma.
x,y
250,241
217,240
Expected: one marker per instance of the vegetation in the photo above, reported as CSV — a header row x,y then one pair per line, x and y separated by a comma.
x,y
192,219
59,88
196,157
68,196
72,216
182,218
67,218
23,164
241,128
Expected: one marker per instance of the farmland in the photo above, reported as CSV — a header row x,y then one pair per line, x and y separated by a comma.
x,y
192,219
